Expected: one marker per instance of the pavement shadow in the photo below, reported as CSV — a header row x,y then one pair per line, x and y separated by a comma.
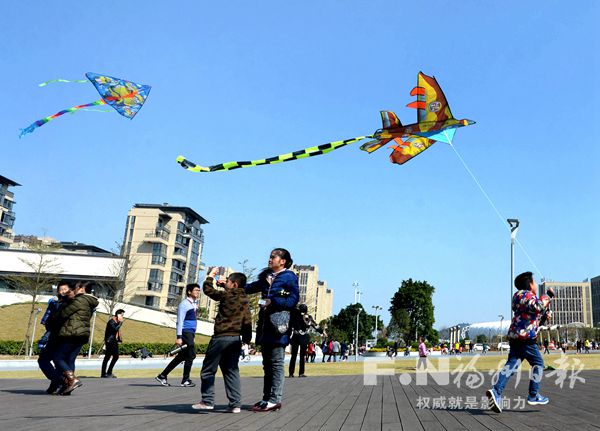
x,y
185,408
25,391
171,408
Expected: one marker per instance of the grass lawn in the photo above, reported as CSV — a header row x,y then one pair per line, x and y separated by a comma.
x,y
483,364
13,324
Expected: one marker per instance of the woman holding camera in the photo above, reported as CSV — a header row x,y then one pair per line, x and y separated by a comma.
x,y
278,287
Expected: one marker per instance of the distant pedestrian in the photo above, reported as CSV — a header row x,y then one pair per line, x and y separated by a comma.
x,y
471,345
187,313
233,320
112,338
324,349
423,353
302,326
335,349
344,351
578,345
546,350
396,345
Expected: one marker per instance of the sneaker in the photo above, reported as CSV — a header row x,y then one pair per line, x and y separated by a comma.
x,y
234,410
537,400
202,406
162,380
302,375
495,400
188,384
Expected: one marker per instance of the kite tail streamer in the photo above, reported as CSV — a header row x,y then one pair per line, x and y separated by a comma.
x,y
296,155
78,81
40,123
502,219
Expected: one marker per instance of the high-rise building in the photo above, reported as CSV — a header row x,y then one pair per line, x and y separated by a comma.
x,y
313,292
572,303
163,245
7,215
595,288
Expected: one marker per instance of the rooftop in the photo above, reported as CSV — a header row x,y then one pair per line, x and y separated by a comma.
x,y
169,208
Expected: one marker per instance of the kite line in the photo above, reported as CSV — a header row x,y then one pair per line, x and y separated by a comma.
x,y
502,219
296,155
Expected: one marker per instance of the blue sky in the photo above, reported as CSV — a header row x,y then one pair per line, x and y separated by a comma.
x,y
244,80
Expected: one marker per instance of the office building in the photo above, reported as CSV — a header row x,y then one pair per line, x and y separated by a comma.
x,y
572,303
595,291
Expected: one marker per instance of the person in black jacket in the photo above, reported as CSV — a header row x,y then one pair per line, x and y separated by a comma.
x,y
112,338
302,323
52,323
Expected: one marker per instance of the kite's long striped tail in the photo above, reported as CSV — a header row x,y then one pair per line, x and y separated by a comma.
x,y
40,123
300,154
78,81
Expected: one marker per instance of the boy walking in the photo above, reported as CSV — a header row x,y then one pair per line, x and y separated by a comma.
x,y
233,320
186,331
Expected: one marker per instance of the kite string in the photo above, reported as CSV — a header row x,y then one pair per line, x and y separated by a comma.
x,y
502,219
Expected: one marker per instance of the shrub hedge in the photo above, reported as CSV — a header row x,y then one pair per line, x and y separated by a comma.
x,y
126,349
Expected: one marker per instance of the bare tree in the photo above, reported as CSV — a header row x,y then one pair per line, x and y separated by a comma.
x,y
111,292
44,273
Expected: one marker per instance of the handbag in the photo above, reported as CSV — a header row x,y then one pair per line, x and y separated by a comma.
x,y
280,321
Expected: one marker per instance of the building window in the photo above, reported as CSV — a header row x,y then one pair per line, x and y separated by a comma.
x,y
150,301
156,275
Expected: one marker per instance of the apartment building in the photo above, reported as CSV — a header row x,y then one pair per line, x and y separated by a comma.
x,y
572,303
595,288
7,215
163,246
313,292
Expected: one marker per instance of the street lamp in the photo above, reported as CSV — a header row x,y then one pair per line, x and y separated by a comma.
x,y
356,337
501,320
514,227
377,308
355,285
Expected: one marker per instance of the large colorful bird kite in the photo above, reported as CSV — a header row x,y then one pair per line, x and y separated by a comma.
x,y
125,97
434,123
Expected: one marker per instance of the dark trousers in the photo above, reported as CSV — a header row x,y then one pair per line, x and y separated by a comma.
x,y
188,355
222,352
111,351
295,348
66,353
45,362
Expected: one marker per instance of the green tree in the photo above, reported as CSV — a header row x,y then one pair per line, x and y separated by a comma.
x,y
342,326
412,311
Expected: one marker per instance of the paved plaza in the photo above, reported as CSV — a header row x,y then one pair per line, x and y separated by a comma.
x,y
313,403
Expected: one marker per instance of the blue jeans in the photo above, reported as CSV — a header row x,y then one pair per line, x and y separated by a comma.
x,y
66,353
518,352
274,368
45,359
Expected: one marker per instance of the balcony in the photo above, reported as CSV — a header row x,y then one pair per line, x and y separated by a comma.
x,y
159,260
157,235
180,254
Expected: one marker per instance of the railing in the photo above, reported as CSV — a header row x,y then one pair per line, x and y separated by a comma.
x,y
158,234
